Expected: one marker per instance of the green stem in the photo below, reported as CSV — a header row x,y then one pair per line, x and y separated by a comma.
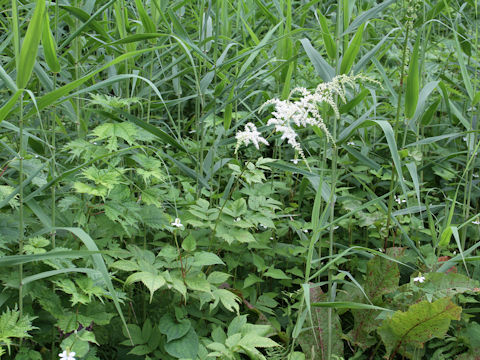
x,y
21,225
397,122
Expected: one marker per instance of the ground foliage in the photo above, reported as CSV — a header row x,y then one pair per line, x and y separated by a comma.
x,y
135,223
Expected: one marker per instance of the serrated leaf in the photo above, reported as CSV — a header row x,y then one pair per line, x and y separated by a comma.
x,y
253,340
125,265
206,259
217,277
276,274
152,281
228,299
197,281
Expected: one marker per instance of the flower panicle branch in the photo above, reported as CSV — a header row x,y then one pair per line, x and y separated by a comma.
x,y
302,113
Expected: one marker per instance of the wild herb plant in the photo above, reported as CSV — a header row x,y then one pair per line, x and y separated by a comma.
x,y
137,221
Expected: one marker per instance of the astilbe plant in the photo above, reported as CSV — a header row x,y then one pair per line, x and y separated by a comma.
x,y
303,112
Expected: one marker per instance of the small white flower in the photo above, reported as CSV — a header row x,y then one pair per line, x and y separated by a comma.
x,y
476,175
249,135
476,222
399,201
295,161
381,250
351,143
177,223
192,131
271,237
336,227
305,231
464,138
67,355
262,226
419,279
94,143
237,219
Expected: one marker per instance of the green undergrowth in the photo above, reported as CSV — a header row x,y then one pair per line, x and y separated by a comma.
x,y
249,179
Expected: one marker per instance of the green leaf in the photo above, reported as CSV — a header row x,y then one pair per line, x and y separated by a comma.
x,y
147,23
253,340
189,243
28,53
382,278
409,330
413,81
369,14
447,285
351,52
14,326
5,109
228,299
184,348
323,69
197,282
314,340
99,265
206,259
445,237
49,46
152,281
461,61
276,274
172,328
327,37
217,277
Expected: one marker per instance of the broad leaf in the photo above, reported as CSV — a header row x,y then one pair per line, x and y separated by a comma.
x,y
408,330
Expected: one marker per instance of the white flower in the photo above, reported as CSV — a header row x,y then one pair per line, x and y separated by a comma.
x,y
464,138
249,135
177,223
305,113
475,175
295,161
420,279
399,201
67,355
351,143
305,231
476,222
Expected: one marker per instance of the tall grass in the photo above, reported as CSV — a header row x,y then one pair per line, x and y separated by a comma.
x,y
190,74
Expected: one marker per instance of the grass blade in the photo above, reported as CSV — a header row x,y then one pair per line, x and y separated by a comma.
x,y
352,51
28,53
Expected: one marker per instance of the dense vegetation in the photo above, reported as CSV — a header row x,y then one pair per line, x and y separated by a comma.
x,y
249,179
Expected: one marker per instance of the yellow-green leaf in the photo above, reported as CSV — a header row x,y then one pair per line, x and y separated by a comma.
x,y
29,50
49,46
413,82
352,51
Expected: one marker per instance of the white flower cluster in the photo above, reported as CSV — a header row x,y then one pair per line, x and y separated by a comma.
x,y
249,135
303,112
67,355
419,279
